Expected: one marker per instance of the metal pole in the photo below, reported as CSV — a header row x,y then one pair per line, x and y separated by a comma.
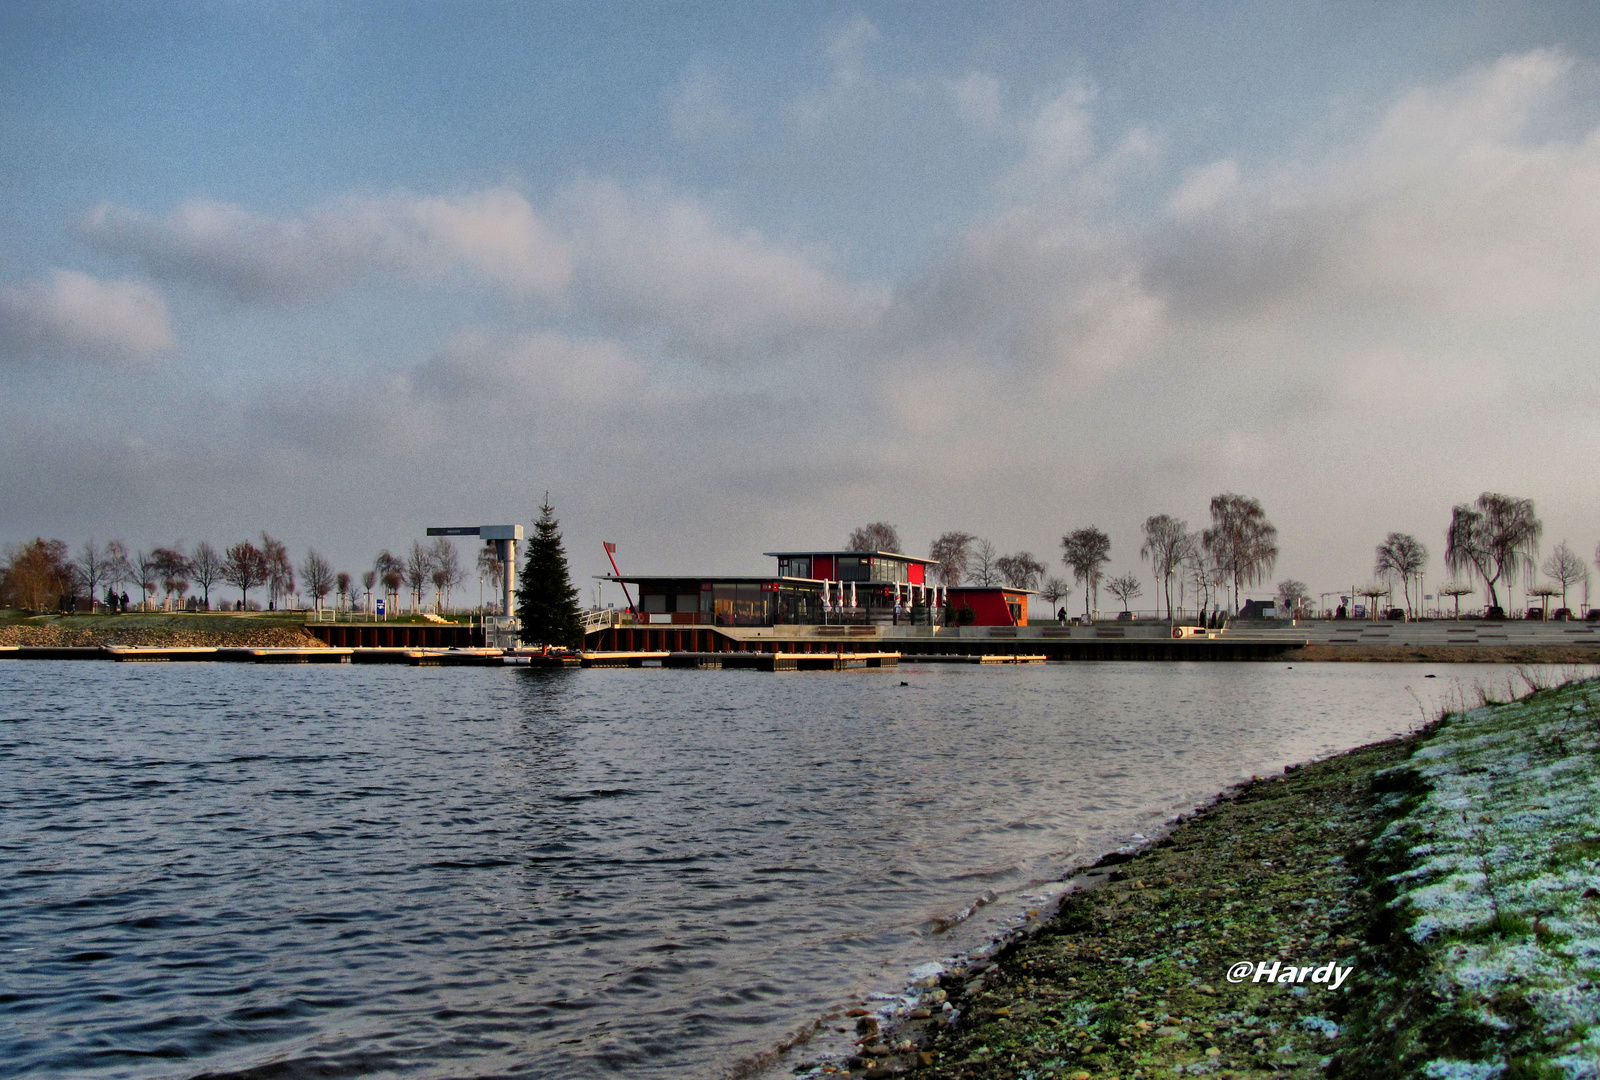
x,y
610,554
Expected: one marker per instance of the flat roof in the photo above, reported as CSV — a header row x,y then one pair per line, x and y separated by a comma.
x,y
989,588
730,579
875,554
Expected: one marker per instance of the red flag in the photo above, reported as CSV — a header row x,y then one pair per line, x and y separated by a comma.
x,y
611,549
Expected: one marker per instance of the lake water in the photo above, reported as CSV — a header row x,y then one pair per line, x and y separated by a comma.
x,y
273,872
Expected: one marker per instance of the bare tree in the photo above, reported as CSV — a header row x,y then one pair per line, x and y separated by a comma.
x,y
1125,588
1242,542
878,536
146,568
1022,570
342,586
244,568
1293,597
317,574
119,568
1456,590
391,571
418,567
1167,543
1404,556
1496,538
952,552
445,572
172,569
205,566
280,571
1202,574
1565,568
1086,550
490,569
984,570
90,566
369,578
1055,591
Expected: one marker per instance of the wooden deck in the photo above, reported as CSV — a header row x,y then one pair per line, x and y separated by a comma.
x,y
756,661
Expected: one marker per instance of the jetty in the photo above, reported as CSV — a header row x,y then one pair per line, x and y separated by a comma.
x,y
939,644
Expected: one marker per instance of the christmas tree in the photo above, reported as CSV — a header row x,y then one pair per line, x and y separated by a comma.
x,y
547,603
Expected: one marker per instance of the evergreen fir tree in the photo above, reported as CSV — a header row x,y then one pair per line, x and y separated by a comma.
x,y
547,603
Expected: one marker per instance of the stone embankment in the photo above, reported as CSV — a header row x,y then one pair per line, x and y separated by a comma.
x,y
1452,876
1447,654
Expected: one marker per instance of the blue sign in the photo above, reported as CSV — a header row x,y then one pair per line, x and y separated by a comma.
x,y
380,607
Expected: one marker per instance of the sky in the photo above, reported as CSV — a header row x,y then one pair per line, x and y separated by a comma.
x,y
732,278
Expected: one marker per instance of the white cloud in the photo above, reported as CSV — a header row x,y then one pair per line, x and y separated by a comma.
x,y
81,317
492,234
657,264
1204,189
700,112
666,260
1360,336
977,99
1057,139
849,78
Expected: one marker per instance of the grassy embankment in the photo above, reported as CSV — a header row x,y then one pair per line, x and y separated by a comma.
x,y
1457,872
175,629
258,629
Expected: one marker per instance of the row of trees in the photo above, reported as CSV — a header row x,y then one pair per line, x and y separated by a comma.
x,y
1238,548
38,574
1493,542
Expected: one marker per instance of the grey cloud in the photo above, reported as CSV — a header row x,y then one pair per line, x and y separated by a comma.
x,y
494,234
80,317
717,292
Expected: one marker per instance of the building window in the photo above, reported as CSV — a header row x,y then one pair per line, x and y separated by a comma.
x,y
854,568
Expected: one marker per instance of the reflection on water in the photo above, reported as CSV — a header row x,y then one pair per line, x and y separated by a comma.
x,y
454,872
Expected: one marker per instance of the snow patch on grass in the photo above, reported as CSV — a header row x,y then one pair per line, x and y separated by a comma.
x,y
1504,888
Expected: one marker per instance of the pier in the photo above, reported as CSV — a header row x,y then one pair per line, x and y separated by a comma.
x,y
950,645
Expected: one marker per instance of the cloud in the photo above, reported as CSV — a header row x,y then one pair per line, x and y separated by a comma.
x,y
722,292
77,316
494,235
1057,139
655,264
849,78
700,112
1359,334
977,99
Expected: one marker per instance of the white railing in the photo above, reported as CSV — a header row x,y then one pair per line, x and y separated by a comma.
x,y
599,618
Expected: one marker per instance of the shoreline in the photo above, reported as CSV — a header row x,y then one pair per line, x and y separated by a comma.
x,y
253,631
1007,993
1317,872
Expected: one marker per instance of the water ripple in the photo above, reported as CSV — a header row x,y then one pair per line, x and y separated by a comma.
x,y
236,871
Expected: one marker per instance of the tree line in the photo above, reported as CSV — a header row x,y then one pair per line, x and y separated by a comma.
x,y
1491,543
41,573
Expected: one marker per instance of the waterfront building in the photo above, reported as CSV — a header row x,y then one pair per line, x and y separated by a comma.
x,y
809,588
998,605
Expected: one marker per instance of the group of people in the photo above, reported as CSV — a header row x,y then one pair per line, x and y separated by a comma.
x,y
116,603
